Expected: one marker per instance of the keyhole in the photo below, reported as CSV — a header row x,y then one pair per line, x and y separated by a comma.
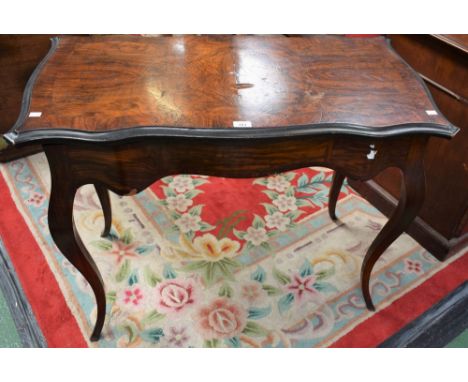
x,y
372,153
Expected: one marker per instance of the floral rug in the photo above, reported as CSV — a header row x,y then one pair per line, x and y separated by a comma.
x,y
196,261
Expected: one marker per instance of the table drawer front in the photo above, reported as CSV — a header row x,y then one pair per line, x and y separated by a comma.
x,y
366,157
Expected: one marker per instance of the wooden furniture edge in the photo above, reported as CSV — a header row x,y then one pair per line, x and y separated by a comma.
x,y
450,42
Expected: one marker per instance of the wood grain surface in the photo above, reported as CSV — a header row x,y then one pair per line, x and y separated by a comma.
x,y
98,84
19,56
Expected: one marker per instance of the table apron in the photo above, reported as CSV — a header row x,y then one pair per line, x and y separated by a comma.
x,y
128,167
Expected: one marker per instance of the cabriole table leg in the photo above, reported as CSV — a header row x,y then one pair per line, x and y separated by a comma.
x,y
413,187
104,199
66,237
337,183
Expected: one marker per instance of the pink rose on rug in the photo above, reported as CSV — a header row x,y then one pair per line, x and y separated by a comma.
x,y
221,319
172,296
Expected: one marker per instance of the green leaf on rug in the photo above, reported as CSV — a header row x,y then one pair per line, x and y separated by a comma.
x,y
226,267
174,215
289,175
210,272
144,249
307,189
131,330
306,269
271,194
168,192
231,262
234,342
319,198
111,296
206,227
325,273
152,335
197,210
261,181
123,272
192,193
302,181
258,222
283,278
318,178
198,182
255,330
213,343
300,202
127,236
258,275
322,187
168,272
285,302
270,208
293,215
113,236
257,313
103,245
290,192
133,279
150,277
227,224
167,179
265,246
271,290
323,286
152,317
190,235
225,291
239,234
195,265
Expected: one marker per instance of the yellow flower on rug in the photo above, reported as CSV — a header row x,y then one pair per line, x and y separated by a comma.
x,y
212,249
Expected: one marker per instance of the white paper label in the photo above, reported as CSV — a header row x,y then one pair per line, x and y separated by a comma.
x,y
242,124
35,114
431,112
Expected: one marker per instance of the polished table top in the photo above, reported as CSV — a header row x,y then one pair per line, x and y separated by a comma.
x,y
227,84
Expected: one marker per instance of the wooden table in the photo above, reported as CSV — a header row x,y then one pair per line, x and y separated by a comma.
x,y
122,112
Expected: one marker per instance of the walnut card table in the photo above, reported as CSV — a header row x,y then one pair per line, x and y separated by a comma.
x,y
121,112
